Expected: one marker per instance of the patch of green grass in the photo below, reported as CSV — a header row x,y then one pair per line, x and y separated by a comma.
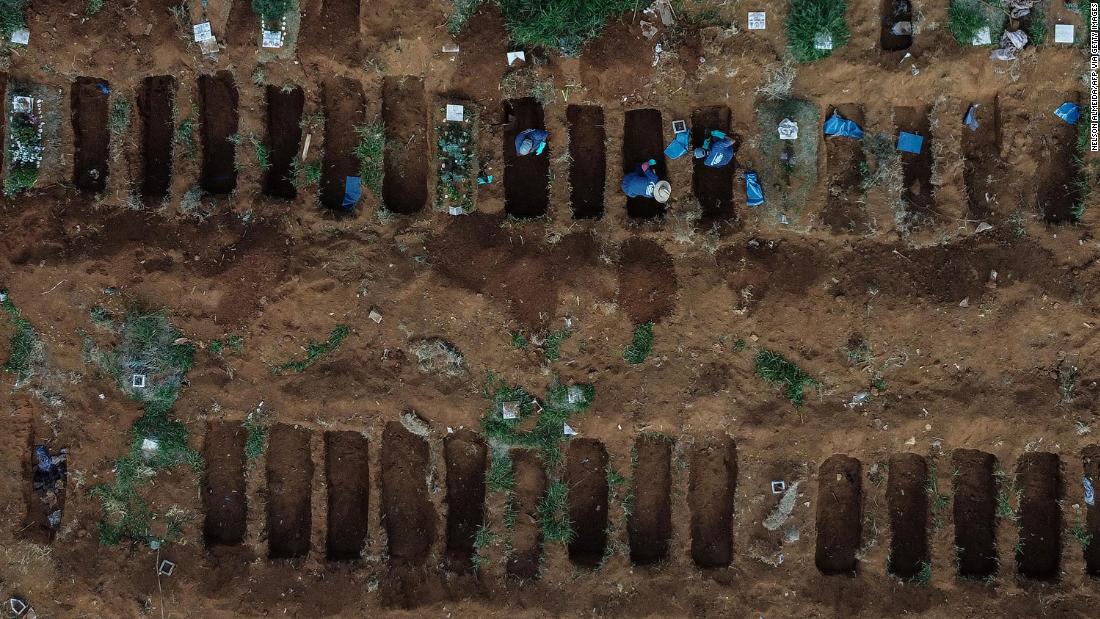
x,y
561,24
24,343
370,151
185,137
938,501
500,477
118,120
256,424
641,345
546,435
966,17
461,13
1037,25
807,18
304,176
740,344
1008,494
1067,380
315,350
924,576
773,368
1081,535
93,7
553,513
271,10
552,348
483,538
233,342
12,16
518,340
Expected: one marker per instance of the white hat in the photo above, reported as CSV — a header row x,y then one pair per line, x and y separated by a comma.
x,y
662,191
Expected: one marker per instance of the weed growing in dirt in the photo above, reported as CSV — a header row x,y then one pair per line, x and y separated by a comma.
x,y
1008,494
118,122
807,19
483,538
773,368
26,348
858,352
938,501
924,576
641,345
1017,222
553,412
564,24
234,343
1036,25
527,83
1084,178
263,155
12,17
457,153
372,144
462,12
551,349
518,340
500,477
256,425
185,137
93,7
1067,381
315,350
1080,534
886,171
778,81
304,176
553,512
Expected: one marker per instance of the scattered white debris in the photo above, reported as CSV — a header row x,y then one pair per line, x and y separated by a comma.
x,y
657,51
965,302
1063,33
783,511
514,56
375,316
455,113
859,399
567,430
983,227
450,48
648,29
982,37
757,20
912,441
23,36
103,396
1082,428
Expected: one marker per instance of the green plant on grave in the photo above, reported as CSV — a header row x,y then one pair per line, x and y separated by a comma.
x,y
774,369
550,414
93,7
553,513
272,11
641,345
561,24
315,351
12,16
369,151
185,137
25,345
456,150
256,425
552,348
806,19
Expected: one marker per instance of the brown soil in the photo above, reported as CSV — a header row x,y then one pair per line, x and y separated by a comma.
x,y
643,139
983,172
844,211
347,468
907,497
920,203
526,178
650,522
157,129
243,28
284,135
525,557
975,512
331,27
839,514
466,455
586,476
408,514
343,104
647,281
91,138
289,488
224,497
1090,457
218,100
405,114
1057,172
711,494
588,170
713,187
1039,477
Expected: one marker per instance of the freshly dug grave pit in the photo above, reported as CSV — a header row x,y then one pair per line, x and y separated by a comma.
x,y
218,98
347,468
844,208
920,204
1090,458
42,502
647,281
530,486
588,167
982,164
1039,477
649,524
407,511
405,115
1058,170
586,475
893,12
526,178
343,102
466,456
713,187
90,103
907,500
289,491
643,139
711,489
839,514
975,512
157,128
284,135
224,496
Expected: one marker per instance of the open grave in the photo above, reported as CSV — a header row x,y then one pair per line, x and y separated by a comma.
x,y
224,496
526,178
1090,458
713,187
1058,191
844,209
982,163
586,475
407,512
90,103
917,195
44,492
975,512
284,135
157,128
466,456
896,12
649,524
907,500
530,486
643,139
347,468
343,102
289,492
1039,477
588,166
405,115
839,514
711,489
218,99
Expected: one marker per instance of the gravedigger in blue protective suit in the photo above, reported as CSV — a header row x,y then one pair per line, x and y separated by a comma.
x,y
531,141
643,182
717,150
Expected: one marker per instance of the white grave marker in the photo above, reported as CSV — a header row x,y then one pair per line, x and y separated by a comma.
x,y
21,36
202,32
982,37
1063,33
514,56
823,40
788,129
455,113
757,20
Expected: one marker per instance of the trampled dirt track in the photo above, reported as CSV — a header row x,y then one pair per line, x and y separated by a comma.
x,y
966,359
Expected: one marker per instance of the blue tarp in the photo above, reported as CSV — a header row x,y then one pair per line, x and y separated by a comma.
x,y
841,127
910,142
352,190
679,146
970,120
1090,496
1068,112
754,193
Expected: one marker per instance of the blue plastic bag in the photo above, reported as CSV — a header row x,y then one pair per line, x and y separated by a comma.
x,y
1068,112
1090,496
910,142
352,190
754,193
970,121
841,127
679,146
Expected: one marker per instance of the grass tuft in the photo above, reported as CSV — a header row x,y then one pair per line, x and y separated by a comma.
x,y
807,18
372,144
12,16
25,345
315,350
773,368
553,512
641,345
552,348
256,424
562,24
500,477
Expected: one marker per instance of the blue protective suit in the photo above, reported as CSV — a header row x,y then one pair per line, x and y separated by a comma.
x,y
538,136
640,183
719,153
